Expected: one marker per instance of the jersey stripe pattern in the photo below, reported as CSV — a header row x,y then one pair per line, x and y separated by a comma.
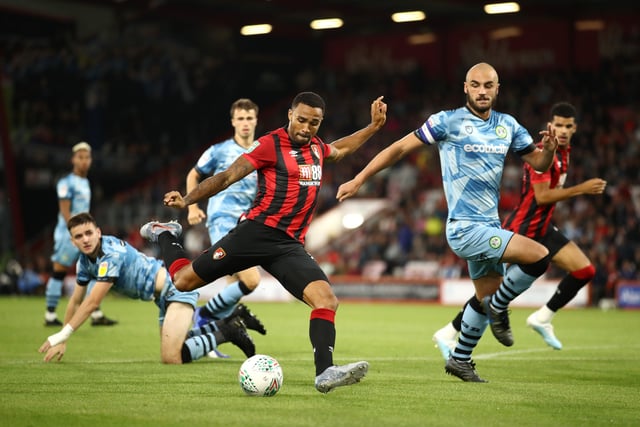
x,y
289,179
529,218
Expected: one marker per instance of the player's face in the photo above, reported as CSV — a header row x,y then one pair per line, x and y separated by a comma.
x,y
481,88
86,237
564,127
81,161
244,122
304,122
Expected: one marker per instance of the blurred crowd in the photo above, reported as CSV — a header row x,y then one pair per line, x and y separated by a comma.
x,y
149,104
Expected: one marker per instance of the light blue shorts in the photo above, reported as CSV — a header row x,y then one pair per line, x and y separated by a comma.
x,y
481,244
170,294
64,252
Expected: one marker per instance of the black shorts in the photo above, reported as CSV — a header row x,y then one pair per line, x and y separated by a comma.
x,y
250,244
553,240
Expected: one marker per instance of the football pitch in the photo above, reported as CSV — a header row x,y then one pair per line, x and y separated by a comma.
x,y
111,376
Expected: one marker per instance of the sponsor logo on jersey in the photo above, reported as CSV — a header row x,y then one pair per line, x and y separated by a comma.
x,y
293,153
495,242
501,132
486,148
310,175
103,268
219,253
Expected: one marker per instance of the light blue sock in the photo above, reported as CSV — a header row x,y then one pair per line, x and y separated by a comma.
x,y
222,305
474,324
200,345
513,284
53,292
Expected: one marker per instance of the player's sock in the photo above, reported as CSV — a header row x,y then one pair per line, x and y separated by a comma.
x,y
322,333
198,346
207,328
474,322
172,253
569,286
222,305
457,321
518,279
53,292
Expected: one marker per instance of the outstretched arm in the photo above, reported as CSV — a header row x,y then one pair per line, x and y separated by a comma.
x,y
240,168
382,160
78,310
348,144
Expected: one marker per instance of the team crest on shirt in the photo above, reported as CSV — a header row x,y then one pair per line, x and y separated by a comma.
x,y
103,268
314,150
495,242
501,132
219,253
468,129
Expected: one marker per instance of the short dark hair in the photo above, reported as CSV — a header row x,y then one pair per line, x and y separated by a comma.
x,y
243,104
79,219
563,109
311,99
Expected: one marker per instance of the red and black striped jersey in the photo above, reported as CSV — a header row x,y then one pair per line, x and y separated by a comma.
x,y
289,179
529,218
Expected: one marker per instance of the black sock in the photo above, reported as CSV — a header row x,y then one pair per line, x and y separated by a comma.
x,y
170,248
457,321
243,288
567,289
323,338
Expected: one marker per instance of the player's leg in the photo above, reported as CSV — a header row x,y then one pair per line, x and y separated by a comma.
x,y
300,274
529,260
174,329
445,338
580,271
223,304
486,279
53,293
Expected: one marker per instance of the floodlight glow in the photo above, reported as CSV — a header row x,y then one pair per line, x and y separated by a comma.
x,y
253,30
496,8
415,15
326,24
590,25
352,220
422,38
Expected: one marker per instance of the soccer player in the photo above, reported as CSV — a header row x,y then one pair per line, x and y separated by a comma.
x,y
473,142
74,196
533,218
225,208
289,164
113,263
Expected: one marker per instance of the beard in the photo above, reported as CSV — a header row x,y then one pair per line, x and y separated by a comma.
x,y
478,108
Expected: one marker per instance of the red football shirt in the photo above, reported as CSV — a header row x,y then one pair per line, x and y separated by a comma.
x,y
529,218
289,179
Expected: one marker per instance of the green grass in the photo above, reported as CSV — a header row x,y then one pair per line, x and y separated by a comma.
x,y
113,377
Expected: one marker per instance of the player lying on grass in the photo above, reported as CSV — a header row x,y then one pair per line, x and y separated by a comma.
x,y
113,263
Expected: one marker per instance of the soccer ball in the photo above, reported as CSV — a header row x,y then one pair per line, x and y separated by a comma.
x,y
260,375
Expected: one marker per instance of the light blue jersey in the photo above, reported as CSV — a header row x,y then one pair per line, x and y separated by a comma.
x,y
472,155
76,189
224,209
132,273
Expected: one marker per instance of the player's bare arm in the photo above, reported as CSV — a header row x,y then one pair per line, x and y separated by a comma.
x,y
65,208
348,144
382,160
546,196
240,168
195,215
